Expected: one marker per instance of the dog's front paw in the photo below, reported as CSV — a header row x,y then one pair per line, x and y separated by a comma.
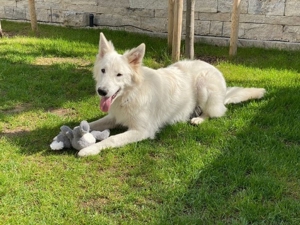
x,y
91,150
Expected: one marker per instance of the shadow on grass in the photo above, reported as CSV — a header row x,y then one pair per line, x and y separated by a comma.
x,y
251,57
255,179
36,142
28,90
43,86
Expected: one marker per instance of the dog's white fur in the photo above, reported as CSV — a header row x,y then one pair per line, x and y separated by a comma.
x,y
147,99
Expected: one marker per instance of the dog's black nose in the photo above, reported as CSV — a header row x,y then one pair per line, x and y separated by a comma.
x,y
101,92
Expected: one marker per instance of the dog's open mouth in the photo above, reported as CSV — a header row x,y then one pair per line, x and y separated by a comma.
x,y
106,102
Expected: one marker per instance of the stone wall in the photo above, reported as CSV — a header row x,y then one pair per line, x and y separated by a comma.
x,y
266,23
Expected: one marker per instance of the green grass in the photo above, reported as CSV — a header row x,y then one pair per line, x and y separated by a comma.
x,y
239,169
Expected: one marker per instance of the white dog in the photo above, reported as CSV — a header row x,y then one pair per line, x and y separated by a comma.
x,y
144,100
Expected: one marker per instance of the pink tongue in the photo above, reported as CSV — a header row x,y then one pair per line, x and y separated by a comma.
x,y
105,103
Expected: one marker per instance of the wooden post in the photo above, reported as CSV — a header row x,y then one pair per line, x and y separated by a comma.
x,y
177,30
189,37
234,27
33,19
1,33
170,23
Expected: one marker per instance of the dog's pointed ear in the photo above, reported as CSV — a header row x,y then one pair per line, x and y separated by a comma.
x,y
135,56
104,46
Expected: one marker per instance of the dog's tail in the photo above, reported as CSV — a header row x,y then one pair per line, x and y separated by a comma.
x,y
238,94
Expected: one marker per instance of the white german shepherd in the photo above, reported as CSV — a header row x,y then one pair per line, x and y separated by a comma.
x,y
144,100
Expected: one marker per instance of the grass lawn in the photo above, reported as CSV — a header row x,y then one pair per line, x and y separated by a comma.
x,y
243,168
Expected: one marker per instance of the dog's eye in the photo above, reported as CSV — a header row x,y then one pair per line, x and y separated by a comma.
x,y
103,70
119,75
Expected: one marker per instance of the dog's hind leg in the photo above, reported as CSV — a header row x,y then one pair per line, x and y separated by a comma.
x,y
198,115
211,104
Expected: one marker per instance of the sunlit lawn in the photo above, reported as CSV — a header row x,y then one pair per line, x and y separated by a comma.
x,y
239,169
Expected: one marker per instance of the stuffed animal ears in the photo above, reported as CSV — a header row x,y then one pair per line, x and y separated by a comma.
x,y
101,135
104,46
84,127
65,129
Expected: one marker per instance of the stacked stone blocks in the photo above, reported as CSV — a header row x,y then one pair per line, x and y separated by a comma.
x,y
261,20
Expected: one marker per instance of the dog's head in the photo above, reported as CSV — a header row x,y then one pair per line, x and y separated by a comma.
x,y
115,73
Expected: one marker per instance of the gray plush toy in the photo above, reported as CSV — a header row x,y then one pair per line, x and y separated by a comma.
x,y
78,138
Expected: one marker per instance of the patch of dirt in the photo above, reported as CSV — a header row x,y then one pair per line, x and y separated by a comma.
x,y
17,109
10,132
46,61
62,112
17,132
96,204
